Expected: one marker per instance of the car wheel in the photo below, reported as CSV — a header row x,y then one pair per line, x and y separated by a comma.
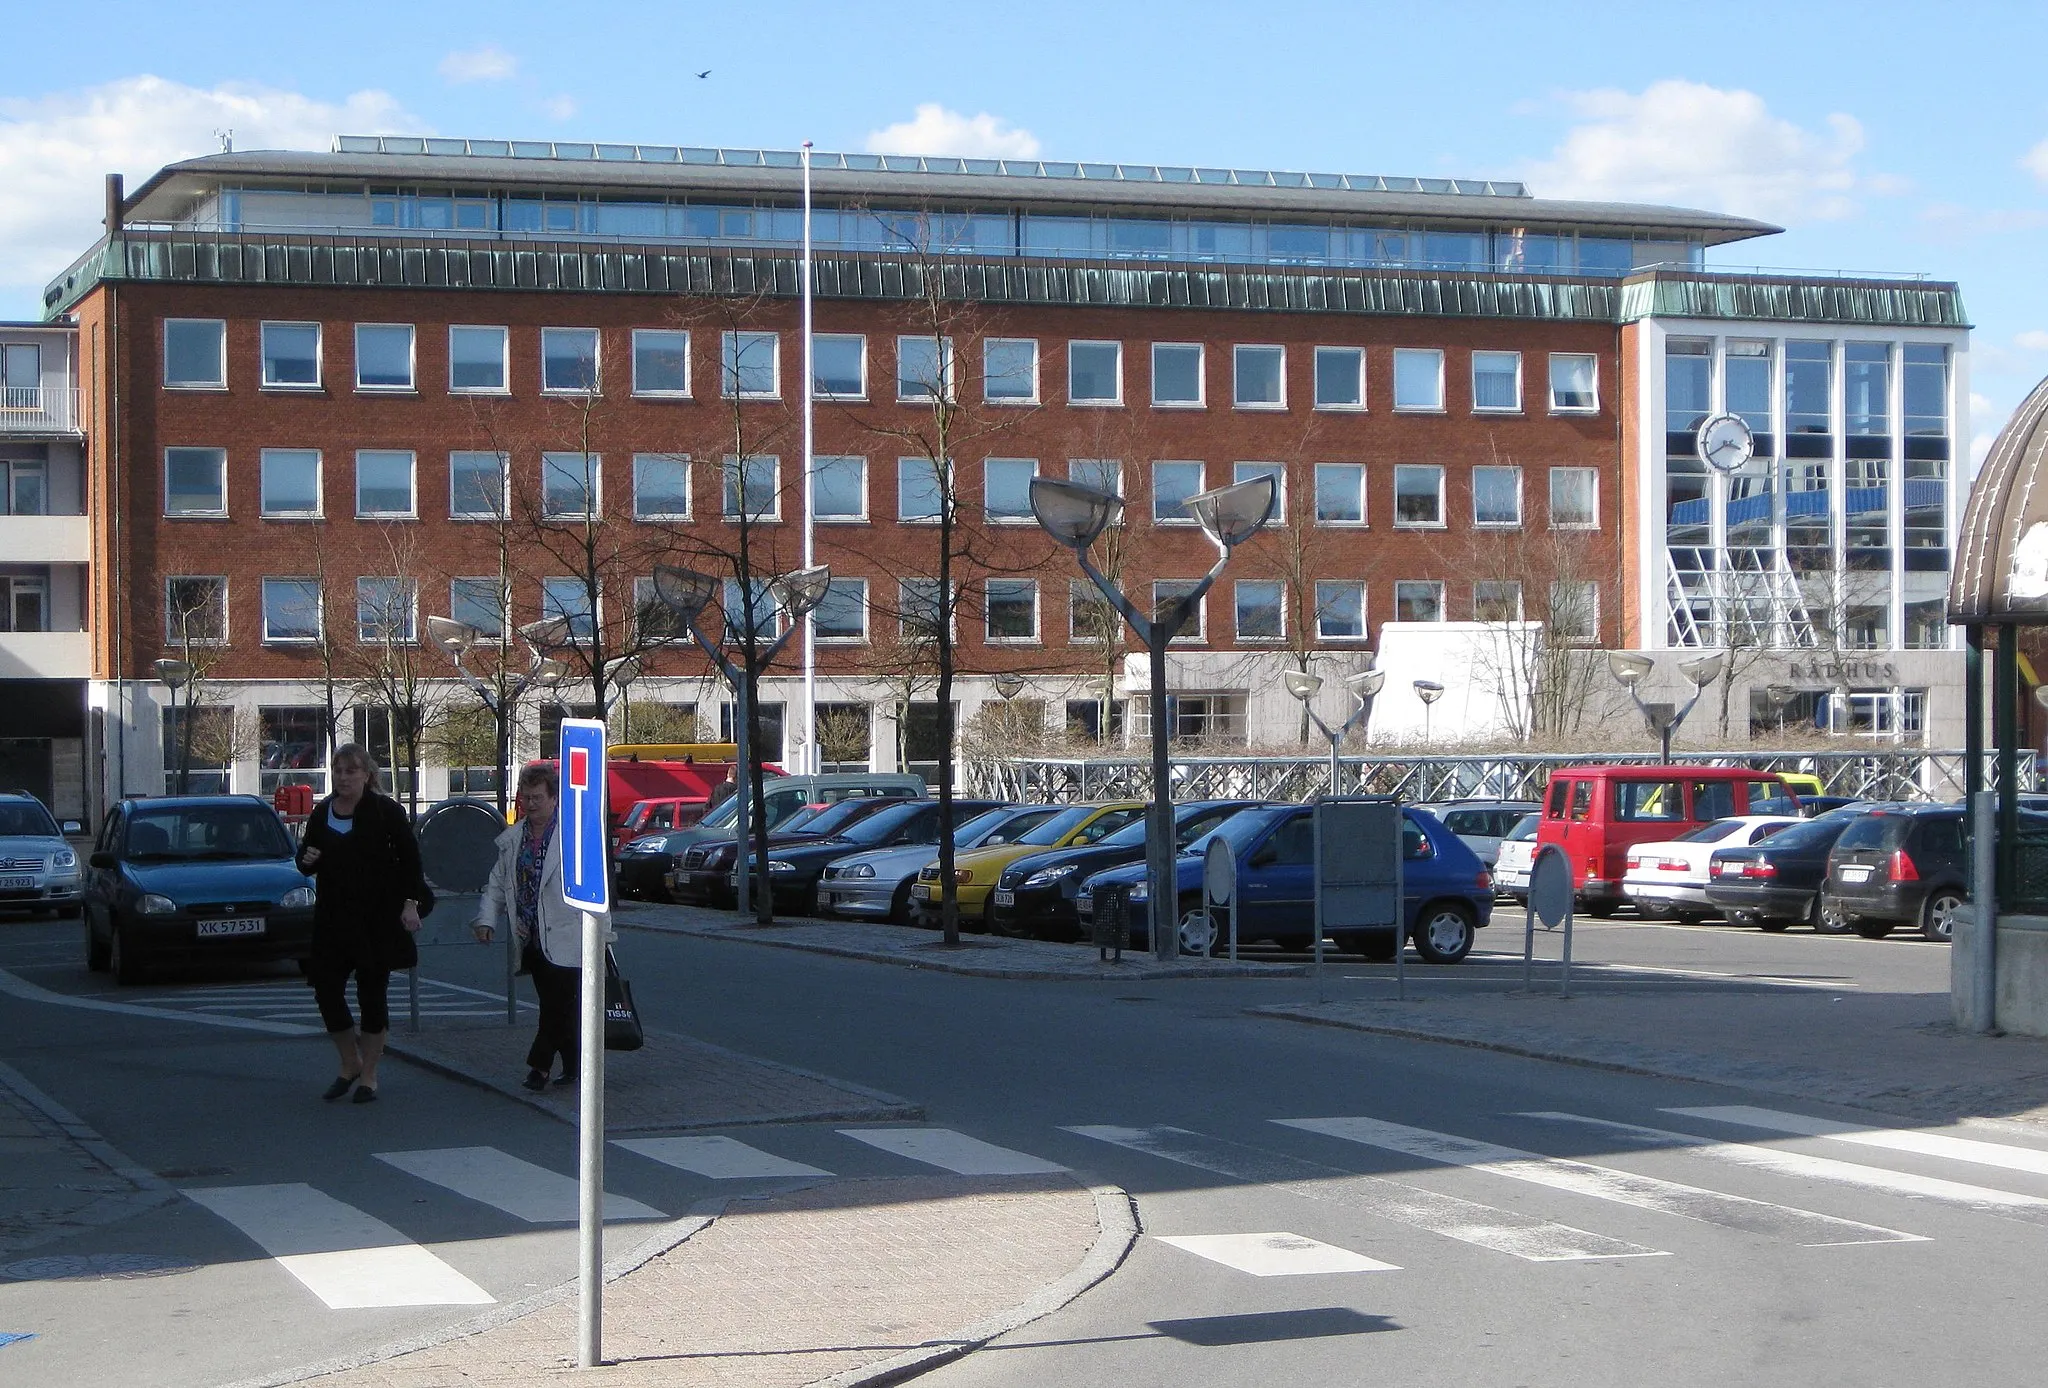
x,y
1197,929
98,957
1826,918
1374,946
1938,916
1689,917
899,905
1874,930
1445,933
121,958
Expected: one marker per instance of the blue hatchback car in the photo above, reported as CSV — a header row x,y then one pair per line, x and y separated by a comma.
x,y
1447,893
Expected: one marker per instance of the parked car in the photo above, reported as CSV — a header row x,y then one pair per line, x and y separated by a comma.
x,y
1904,865
1034,896
1517,856
975,872
875,884
193,877
1597,813
642,866
704,873
1482,824
1447,893
1670,878
1776,883
38,870
784,796
657,816
1814,806
797,864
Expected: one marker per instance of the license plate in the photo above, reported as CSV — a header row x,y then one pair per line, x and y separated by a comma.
x,y
216,929
1006,898
16,884
1855,874
922,891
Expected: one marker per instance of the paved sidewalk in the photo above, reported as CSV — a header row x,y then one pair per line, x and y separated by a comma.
x,y
58,1176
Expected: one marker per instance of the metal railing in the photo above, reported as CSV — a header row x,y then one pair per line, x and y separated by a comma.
x,y
35,409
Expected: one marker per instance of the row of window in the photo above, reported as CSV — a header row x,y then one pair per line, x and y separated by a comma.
x,y
1800,378
750,368
291,486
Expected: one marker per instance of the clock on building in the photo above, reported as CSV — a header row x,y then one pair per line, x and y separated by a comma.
x,y
1724,442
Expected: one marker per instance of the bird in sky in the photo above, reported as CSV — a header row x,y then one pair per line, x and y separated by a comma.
x,y
705,73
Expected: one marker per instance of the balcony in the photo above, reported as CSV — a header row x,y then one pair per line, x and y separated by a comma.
x,y
45,655
37,410
46,539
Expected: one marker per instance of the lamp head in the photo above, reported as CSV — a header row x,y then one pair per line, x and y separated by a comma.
x,y
1009,686
1704,670
548,634
2041,695
622,671
1366,683
799,593
1231,515
1429,691
1629,670
1071,513
549,672
684,591
1301,684
452,636
175,674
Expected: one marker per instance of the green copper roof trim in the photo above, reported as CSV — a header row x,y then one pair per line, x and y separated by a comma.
x,y
1762,299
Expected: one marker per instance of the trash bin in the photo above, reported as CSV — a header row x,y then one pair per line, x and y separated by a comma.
x,y
1112,920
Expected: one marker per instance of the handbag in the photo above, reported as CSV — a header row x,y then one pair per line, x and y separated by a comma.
x,y
622,1030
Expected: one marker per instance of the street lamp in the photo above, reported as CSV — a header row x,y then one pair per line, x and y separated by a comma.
x,y
499,698
1429,691
1075,515
1363,687
1009,686
618,674
176,674
1630,670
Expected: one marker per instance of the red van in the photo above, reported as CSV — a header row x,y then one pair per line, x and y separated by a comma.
x,y
1597,813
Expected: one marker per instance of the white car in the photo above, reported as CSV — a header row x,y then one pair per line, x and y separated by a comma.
x,y
1670,878
1517,855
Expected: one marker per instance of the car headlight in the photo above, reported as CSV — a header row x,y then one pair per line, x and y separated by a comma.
x,y
154,905
65,859
859,870
298,899
644,846
1139,892
780,865
1045,877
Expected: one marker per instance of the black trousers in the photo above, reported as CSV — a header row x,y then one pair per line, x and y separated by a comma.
x,y
560,992
373,988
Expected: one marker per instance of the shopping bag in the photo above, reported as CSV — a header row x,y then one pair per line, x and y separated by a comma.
x,y
622,1030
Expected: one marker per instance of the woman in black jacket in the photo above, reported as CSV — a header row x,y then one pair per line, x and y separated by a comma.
x,y
360,850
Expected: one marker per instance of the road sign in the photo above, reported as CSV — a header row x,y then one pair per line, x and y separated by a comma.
x,y
586,866
1550,886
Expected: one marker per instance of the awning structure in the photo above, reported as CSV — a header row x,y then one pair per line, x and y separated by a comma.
x,y
2001,572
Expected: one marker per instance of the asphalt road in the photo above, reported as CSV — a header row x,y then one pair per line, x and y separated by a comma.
x,y
1483,1245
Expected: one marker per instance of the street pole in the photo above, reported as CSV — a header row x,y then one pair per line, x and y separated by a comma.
x,y
590,1157
811,763
1165,894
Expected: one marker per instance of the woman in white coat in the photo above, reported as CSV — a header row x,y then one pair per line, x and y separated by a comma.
x,y
526,889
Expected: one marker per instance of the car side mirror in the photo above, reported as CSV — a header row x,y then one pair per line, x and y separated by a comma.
x,y
102,859
71,826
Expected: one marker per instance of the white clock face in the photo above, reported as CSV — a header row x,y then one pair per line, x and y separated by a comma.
x,y
1725,443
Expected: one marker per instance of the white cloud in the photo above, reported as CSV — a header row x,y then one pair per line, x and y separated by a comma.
x,y
2035,161
936,130
2032,340
54,149
487,64
560,107
1689,143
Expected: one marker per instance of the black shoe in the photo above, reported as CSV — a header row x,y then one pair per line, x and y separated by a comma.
x,y
342,1084
365,1095
536,1080
567,1077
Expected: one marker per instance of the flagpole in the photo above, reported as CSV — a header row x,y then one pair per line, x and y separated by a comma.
x,y
813,755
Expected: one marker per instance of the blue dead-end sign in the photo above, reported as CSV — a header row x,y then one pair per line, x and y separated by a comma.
x,y
586,866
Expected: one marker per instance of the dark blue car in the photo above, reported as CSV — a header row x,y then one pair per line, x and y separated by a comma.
x,y
1447,893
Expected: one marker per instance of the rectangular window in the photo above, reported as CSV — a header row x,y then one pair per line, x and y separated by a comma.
x,y
476,485
478,360
1177,374
293,743
478,602
568,360
839,488
1172,485
1497,496
1340,378
749,366
1809,392
1012,609
654,620
384,356
569,485
1259,377
288,482
385,609
1340,493
291,609
1418,379
567,599
1095,373
1927,625
1009,370
1746,390
755,602
1688,390
24,487
1006,488
1574,383
752,491
195,481
1574,498
1103,474
1418,600
661,487
1497,382
1168,592
291,355
661,361
1418,496
1340,610
1866,389
1245,472
843,615
1925,383
195,611
919,490
924,369
918,607
1090,618
384,489
1261,610
1497,600
1575,612
839,366
195,354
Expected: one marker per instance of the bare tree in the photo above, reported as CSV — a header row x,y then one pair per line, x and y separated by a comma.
x,y
1537,603
391,674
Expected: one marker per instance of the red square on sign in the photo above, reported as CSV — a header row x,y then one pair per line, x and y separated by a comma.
x,y
579,769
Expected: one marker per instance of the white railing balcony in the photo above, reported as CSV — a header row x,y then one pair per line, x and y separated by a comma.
x,y
45,655
45,539
38,410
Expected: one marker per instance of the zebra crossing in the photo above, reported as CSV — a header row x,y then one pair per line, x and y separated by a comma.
x,y
349,1259
291,1001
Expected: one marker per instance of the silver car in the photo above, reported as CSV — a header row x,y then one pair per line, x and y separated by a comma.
x,y
1482,824
38,870
875,885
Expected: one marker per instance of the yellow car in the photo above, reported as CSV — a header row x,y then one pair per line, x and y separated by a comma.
x,y
975,871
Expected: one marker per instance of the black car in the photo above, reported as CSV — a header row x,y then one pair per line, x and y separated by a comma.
x,y
195,877
1776,884
705,873
1902,865
1034,896
796,864
642,867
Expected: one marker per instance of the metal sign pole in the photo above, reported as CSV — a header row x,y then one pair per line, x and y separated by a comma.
x,y
1564,982
413,982
586,886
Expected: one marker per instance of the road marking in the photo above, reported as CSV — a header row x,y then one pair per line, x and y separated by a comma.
x,y
349,1259
1503,1231
1767,980
1803,1227
720,1158
503,1181
1981,1199
1275,1255
1961,1149
30,992
951,1151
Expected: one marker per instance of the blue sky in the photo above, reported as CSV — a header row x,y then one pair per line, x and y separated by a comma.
x,y
1882,136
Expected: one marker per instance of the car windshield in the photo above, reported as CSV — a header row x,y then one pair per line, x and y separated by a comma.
x,y
1809,833
828,820
1193,824
23,819
1003,826
1059,826
215,832
1239,831
881,823
1711,833
1525,828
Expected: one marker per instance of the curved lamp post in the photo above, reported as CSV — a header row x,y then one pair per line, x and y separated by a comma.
x,y
457,640
1075,515
176,674
1429,691
1630,670
1363,686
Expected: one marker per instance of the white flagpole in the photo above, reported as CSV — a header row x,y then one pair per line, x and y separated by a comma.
x,y
813,756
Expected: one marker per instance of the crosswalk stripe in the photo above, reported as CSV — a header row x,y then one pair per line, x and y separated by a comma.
x,y
1804,1227
349,1259
1275,1255
1961,1149
720,1158
1503,1231
1981,1199
505,1182
951,1151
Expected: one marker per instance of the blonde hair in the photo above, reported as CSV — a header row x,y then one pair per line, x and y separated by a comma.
x,y
354,754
